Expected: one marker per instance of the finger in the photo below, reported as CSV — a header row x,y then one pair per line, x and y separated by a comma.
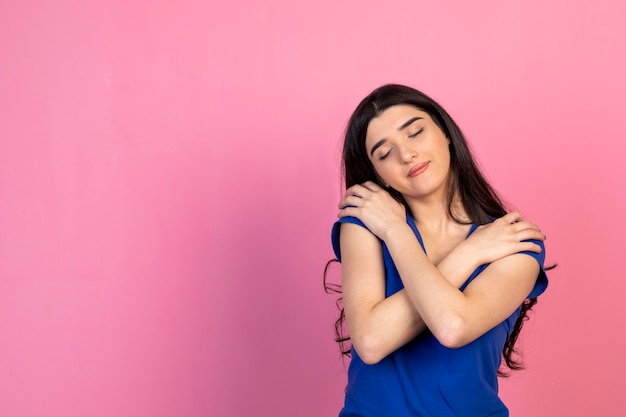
x,y
524,225
372,186
530,234
508,218
529,247
348,212
350,200
512,217
357,190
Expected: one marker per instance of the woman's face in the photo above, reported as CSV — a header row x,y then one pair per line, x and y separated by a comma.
x,y
409,152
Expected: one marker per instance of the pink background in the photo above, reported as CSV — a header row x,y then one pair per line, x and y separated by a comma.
x,y
169,176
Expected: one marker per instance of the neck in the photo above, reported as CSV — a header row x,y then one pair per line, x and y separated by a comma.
x,y
432,214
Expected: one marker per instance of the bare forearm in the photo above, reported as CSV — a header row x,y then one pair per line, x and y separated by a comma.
x,y
433,291
454,317
394,321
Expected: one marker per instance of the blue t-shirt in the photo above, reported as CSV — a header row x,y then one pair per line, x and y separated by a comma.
x,y
423,377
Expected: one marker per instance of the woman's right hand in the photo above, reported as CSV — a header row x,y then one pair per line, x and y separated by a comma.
x,y
503,237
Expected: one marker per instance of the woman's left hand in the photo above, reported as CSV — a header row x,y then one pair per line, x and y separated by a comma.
x,y
374,206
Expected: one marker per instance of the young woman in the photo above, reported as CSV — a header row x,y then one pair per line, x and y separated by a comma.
x,y
436,276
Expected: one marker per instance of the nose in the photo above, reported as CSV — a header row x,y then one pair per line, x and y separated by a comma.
x,y
407,154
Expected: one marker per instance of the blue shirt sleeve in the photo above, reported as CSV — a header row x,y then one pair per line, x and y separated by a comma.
x,y
336,229
542,279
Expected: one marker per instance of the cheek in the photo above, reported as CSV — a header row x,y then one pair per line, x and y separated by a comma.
x,y
380,171
388,175
376,165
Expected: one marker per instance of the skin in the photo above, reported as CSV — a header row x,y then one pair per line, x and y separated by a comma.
x,y
399,140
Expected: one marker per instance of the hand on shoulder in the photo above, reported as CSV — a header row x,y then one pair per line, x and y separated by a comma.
x,y
374,206
505,236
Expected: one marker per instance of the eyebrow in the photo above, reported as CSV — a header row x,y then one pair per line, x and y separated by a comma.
x,y
402,127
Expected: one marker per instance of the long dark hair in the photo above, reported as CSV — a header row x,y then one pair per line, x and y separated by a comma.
x,y
480,201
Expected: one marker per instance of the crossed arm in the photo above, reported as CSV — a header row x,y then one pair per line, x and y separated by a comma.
x,y
431,297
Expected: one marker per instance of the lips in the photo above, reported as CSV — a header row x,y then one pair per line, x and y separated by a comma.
x,y
418,169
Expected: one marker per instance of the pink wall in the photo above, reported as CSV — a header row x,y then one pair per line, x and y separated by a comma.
x,y
169,175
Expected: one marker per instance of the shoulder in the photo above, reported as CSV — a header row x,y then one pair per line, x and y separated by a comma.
x,y
525,268
541,281
514,262
336,232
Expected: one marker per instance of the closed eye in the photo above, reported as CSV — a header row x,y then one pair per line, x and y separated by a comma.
x,y
416,133
385,155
